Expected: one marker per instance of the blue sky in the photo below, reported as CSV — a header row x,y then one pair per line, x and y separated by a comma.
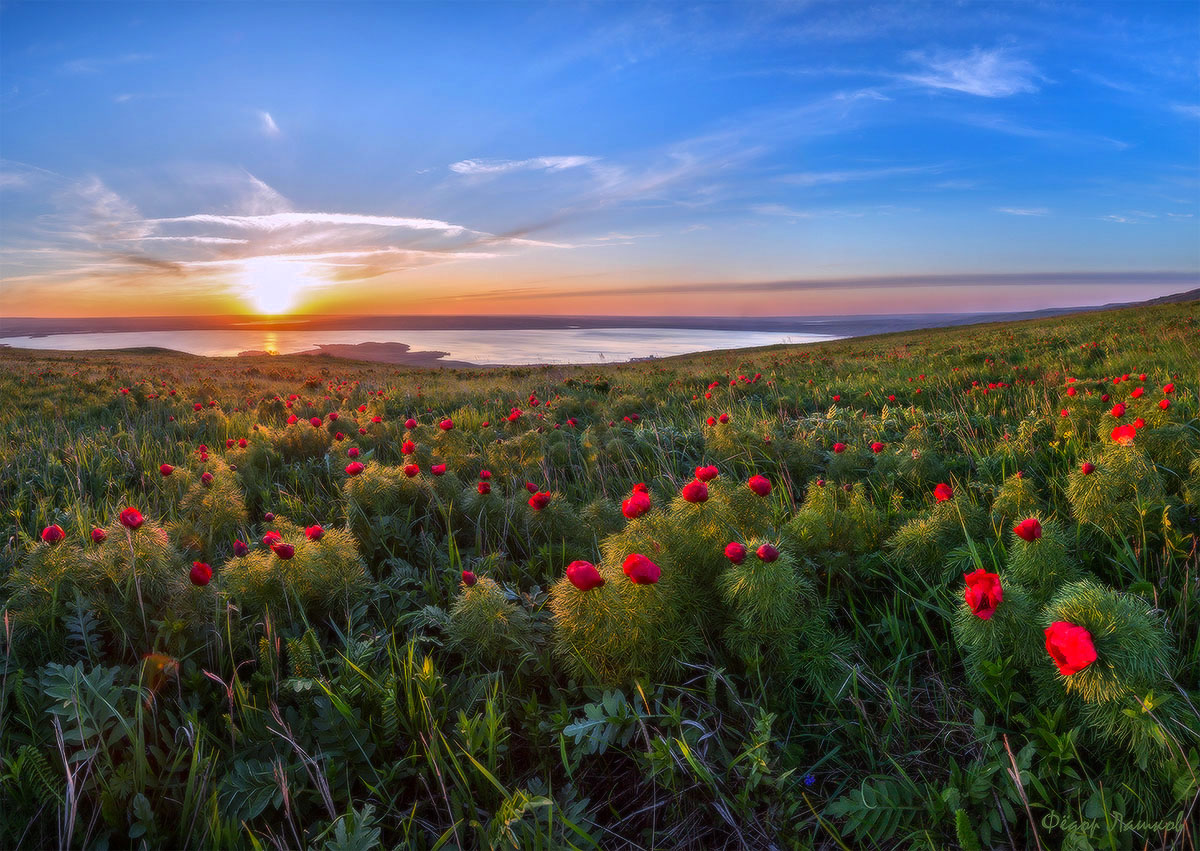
x,y
751,158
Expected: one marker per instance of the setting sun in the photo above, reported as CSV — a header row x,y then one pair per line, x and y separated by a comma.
x,y
272,285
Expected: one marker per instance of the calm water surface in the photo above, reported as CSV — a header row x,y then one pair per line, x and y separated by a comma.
x,y
555,345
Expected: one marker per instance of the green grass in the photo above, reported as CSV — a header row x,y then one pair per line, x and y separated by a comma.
x,y
359,695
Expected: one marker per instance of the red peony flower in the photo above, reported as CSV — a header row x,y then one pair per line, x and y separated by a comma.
x,y
943,492
271,537
229,443
53,534
1169,388
695,491
201,573
1087,467
269,517
484,487
468,578
641,487
485,474
293,419
353,452
1118,410
166,470
839,448
1071,391
640,570
984,593
767,552
877,447
438,469
724,418
761,485
707,474
410,423
354,468
1070,647
131,518
206,478
408,448
446,424
1029,529
1137,393
735,552
242,443
377,419
240,549
316,422
1164,404
531,487
411,470
584,575
637,505
283,551
99,536
539,500
1124,435
314,533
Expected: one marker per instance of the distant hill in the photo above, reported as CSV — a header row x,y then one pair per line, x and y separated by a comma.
x,y
1174,298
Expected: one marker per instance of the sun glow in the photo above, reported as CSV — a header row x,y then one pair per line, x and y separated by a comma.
x,y
272,285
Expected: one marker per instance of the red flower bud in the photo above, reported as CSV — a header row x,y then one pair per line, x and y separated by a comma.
x,y
584,575
201,573
1029,529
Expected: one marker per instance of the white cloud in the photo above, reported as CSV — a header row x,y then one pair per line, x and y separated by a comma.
x,y
267,124
475,166
987,73
97,64
1189,109
101,214
279,221
819,178
198,240
791,213
1023,211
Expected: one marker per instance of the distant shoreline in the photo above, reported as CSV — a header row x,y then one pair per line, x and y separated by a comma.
x,y
833,325
838,326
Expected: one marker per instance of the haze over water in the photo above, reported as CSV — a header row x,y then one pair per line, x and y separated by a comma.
x,y
555,345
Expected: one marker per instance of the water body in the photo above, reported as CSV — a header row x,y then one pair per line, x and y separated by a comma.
x,y
491,346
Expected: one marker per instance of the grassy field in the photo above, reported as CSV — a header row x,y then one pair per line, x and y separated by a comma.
x,y
964,612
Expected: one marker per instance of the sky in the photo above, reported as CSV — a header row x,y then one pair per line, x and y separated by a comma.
x,y
756,158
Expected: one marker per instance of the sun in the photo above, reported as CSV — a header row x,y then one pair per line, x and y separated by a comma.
x,y
272,285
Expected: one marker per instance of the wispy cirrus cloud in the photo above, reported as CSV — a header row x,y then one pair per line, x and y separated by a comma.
x,y
1023,211
281,221
1191,110
820,178
97,236
97,64
195,240
266,124
492,167
991,73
